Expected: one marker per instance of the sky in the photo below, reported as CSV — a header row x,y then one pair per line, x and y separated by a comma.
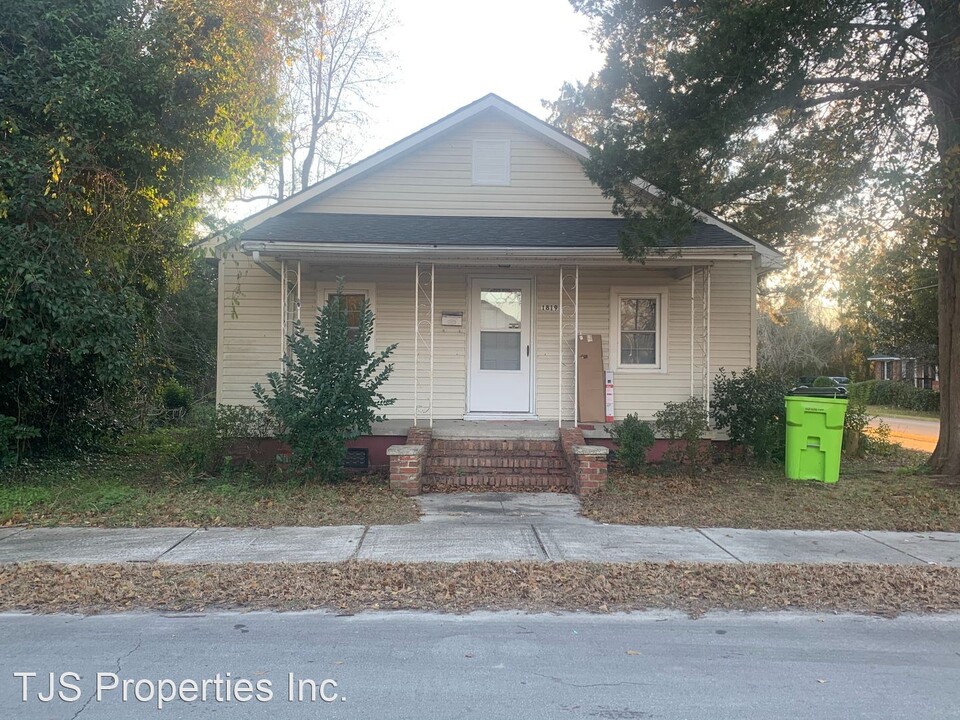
x,y
451,52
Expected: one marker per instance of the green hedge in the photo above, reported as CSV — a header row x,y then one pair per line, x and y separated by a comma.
x,y
894,393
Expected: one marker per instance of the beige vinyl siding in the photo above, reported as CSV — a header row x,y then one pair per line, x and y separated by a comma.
x,y
644,392
250,341
545,181
249,332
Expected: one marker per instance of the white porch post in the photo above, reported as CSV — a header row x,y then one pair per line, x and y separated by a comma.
x,y
283,313
423,337
416,338
693,289
569,297
708,378
299,296
560,357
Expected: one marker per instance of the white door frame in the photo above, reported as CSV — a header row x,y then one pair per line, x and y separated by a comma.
x,y
505,277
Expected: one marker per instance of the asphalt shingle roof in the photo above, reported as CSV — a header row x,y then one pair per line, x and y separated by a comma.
x,y
460,231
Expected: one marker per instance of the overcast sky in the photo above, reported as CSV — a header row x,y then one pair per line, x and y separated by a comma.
x,y
451,52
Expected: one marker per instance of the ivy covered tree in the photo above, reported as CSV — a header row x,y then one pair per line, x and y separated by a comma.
x,y
780,114
117,119
329,391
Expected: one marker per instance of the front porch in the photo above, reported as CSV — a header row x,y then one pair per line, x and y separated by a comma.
x,y
478,341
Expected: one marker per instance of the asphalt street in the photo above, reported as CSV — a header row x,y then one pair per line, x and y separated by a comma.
x,y
913,433
503,665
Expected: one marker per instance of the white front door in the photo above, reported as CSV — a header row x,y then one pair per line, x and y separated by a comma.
x,y
500,345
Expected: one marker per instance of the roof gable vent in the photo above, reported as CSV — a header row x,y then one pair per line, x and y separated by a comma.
x,y
491,162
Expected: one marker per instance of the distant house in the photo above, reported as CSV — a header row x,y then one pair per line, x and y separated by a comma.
x,y
905,369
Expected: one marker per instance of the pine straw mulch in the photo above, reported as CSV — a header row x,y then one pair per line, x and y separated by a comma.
x,y
535,587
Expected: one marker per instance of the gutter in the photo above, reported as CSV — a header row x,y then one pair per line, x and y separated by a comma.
x,y
598,255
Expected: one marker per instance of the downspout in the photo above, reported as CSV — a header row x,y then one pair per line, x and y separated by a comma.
x,y
272,272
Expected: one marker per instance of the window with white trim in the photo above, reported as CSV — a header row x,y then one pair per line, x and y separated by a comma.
x,y
637,329
491,162
353,297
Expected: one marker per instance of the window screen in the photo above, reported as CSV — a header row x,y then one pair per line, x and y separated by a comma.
x,y
638,331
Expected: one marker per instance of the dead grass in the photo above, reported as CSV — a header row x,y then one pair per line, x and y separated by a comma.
x,y
139,490
879,494
535,587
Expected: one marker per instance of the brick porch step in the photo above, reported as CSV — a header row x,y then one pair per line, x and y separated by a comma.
x,y
471,463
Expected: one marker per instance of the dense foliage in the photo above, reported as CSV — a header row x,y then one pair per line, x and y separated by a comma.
x,y
634,438
750,407
329,391
895,393
117,117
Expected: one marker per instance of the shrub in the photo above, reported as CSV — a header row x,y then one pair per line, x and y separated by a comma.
x,y
899,394
750,407
12,436
329,391
175,396
823,382
684,424
213,433
856,441
856,420
634,437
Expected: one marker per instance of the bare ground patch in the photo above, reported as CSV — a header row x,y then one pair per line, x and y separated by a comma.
x,y
535,587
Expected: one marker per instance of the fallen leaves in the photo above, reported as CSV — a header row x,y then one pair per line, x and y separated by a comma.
x,y
536,587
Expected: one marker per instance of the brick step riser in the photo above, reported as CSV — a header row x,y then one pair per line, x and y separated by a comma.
x,y
506,481
560,472
468,446
496,462
497,454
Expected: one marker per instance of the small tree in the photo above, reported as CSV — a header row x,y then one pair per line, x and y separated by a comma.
x,y
329,391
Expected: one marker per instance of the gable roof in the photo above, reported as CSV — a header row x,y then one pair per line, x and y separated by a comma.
x,y
733,236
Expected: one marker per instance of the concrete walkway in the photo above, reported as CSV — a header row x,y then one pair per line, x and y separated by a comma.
x,y
459,527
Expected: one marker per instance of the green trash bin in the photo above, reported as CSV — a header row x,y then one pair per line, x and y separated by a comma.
x,y
815,433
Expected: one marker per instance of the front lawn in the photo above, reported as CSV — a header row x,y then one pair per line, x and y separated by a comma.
x,y
876,494
139,485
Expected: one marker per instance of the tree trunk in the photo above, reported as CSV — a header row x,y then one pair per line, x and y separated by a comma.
x,y
946,458
944,96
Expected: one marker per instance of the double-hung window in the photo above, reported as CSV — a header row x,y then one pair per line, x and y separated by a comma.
x,y
637,319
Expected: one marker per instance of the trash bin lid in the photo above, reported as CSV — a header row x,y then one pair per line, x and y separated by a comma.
x,y
808,391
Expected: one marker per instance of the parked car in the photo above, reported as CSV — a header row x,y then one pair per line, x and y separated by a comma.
x,y
839,380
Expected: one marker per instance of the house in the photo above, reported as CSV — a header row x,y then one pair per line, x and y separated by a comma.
x,y
490,259
894,366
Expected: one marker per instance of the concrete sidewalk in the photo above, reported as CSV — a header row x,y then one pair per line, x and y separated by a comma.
x,y
487,526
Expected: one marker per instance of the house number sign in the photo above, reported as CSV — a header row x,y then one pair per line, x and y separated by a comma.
x,y
550,308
